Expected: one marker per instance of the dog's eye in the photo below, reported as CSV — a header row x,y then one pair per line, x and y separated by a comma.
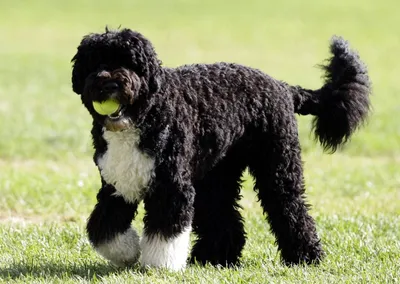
x,y
103,74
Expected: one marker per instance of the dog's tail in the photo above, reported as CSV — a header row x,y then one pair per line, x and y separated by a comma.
x,y
342,104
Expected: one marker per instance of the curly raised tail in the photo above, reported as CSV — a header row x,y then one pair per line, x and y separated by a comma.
x,y
343,103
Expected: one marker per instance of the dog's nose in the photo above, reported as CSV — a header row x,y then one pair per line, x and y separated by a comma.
x,y
110,87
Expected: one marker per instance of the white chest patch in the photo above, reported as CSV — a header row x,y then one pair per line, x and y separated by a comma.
x,y
124,165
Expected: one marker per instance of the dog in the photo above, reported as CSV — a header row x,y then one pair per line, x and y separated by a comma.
x,y
182,138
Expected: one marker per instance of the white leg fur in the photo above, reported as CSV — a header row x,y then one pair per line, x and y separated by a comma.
x,y
123,250
160,253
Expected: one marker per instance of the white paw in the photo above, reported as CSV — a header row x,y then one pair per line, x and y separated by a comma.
x,y
161,253
123,250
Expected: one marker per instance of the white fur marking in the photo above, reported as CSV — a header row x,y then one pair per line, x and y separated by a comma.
x,y
160,253
123,250
124,165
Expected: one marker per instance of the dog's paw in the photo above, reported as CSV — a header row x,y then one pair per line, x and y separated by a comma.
x,y
312,254
170,253
123,250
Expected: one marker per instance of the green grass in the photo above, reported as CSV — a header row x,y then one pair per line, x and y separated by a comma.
x,y
48,182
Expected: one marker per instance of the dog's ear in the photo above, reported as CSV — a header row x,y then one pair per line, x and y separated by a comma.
x,y
77,75
143,58
155,83
154,78
84,58
79,71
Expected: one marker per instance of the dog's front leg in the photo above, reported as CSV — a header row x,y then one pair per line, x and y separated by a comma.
x,y
167,223
109,228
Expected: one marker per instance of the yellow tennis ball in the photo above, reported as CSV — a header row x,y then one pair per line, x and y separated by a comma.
x,y
107,107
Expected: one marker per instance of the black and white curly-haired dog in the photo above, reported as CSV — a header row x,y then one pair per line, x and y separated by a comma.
x,y
182,138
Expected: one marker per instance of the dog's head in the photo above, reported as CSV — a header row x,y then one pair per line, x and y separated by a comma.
x,y
121,65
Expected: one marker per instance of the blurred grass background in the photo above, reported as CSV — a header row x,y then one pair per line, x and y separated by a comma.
x,y
46,171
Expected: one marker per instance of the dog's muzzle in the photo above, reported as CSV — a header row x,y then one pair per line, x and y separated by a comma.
x,y
116,121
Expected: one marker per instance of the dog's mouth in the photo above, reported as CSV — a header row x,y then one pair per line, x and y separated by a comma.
x,y
113,114
118,113
111,95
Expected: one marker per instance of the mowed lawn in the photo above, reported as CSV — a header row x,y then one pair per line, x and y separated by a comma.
x,y
48,181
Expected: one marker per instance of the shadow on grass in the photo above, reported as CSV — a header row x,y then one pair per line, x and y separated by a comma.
x,y
45,270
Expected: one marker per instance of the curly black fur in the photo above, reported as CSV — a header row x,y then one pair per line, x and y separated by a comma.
x,y
202,125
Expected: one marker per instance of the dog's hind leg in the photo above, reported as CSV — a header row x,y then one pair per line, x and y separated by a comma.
x,y
109,228
218,223
276,164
